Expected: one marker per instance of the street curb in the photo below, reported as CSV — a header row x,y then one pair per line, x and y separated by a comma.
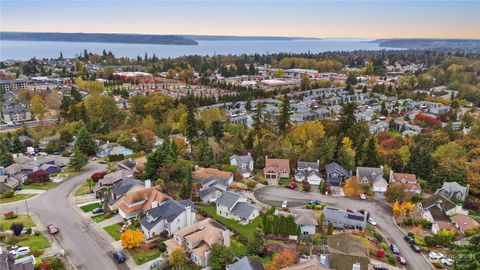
x,y
423,255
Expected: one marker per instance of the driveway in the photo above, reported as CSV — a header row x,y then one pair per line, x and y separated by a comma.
x,y
380,212
85,248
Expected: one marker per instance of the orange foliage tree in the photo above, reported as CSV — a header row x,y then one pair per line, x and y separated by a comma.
x,y
284,258
404,208
132,238
352,187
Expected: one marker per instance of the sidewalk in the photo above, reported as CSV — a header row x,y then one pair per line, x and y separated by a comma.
x,y
31,191
113,220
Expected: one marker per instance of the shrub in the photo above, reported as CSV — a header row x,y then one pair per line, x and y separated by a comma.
x,y
37,253
17,228
39,176
378,236
29,231
45,266
380,253
2,237
27,182
161,246
392,260
107,215
384,246
426,224
57,264
472,204
8,194
429,241
251,184
11,240
98,175
330,229
319,207
10,215
416,198
306,186
114,158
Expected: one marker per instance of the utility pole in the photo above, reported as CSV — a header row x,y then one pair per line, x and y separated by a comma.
x,y
26,205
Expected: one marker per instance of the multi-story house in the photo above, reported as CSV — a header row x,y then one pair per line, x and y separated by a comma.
x,y
235,206
341,219
308,171
276,168
336,174
408,180
244,164
138,202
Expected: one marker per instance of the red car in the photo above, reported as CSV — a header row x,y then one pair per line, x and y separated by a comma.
x,y
52,229
292,185
401,260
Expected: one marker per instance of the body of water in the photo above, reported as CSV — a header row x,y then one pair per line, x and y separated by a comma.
x,y
24,50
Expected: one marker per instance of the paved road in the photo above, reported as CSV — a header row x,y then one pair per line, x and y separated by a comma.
x,y
85,248
275,195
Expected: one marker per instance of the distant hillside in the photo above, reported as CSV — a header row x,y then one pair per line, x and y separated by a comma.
x,y
102,38
243,38
420,43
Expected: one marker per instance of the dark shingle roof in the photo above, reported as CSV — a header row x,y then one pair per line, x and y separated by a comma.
x,y
435,199
330,167
121,187
306,165
168,211
247,264
243,209
228,198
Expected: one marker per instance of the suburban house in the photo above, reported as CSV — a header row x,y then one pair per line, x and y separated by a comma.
x,y
344,251
464,223
198,240
308,171
110,179
276,168
373,177
121,188
235,206
111,149
246,263
310,264
24,165
336,174
343,219
306,220
8,183
203,173
454,191
408,180
127,164
244,164
212,188
438,209
140,201
169,217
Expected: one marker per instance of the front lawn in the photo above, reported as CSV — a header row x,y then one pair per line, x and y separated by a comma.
x,y
99,218
89,207
114,231
238,247
40,186
142,256
16,197
35,242
25,220
85,188
244,230
284,181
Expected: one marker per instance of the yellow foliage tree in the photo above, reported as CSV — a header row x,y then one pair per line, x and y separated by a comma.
x,y
132,238
352,187
399,208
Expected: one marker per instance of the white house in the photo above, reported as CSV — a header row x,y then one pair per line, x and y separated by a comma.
x,y
374,177
235,206
244,164
169,217
308,171
306,220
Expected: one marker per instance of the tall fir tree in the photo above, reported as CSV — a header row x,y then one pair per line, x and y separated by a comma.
x,y
284,117
85,142
6,158
186,187
371,156
191,123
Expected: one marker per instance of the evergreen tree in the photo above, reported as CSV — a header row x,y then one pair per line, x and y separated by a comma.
x,y
186,187
248,104
6,158
284,118
203,152
78,160
255,245
221,256
371,156
191,124
17,145
217,130
156,159
85,142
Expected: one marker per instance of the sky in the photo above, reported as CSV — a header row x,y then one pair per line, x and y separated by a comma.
x,y
311,18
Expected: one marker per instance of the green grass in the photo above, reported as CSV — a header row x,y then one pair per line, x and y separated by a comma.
x,y
141,256
267,259
114,231
244,230
99,218
40,186
35,242
84,188
238,247
284,181
25,220
16,197
90,207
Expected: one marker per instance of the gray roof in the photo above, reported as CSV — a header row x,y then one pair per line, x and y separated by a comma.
x,y
246,264
437,199
211,180
304,217
243,209
335,166
453,189
305,165
212,188
307,173
370,173
168,211
228,199
127,164
242,159
121,187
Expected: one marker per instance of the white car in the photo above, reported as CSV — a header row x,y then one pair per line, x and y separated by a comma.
x,y
363,196
20,251
435,255
371,221
284,204
447,261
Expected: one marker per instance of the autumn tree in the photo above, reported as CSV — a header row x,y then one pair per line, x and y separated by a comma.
x,y
396,193
402,209
132,238
346,154
178,260
37,107
284,258
352,187
451,164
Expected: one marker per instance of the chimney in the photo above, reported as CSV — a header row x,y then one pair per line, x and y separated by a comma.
x,y
148,183
226,238
356,266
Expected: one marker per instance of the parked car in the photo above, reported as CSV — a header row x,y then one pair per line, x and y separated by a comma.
x,y
20,251
394,249
314,202
292,185
371,221
447,261
401,260
415,248
119,257
380,267
408,238
435,255
98,210
284,204
52,229
363,196
102,162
